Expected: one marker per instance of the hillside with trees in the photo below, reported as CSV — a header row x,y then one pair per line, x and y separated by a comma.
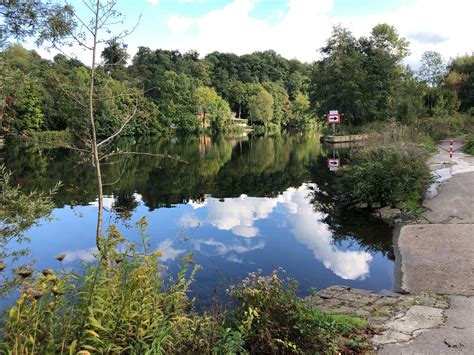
x,y
181,92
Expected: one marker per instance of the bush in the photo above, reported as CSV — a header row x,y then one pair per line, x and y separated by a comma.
x,y
469,145
272,319
386,174
446,126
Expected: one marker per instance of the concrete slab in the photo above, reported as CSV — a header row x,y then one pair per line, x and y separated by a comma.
x,y
456,336
454,202
437,258
417,320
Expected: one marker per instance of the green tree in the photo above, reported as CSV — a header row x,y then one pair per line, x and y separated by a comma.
x,y
261,107
336,80
115,58
42,20
408,98
461,80
281,102
237,95
433,68
210,106
21,101
359,77
300,110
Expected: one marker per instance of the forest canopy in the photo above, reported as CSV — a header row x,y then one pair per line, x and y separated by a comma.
x,y
365,78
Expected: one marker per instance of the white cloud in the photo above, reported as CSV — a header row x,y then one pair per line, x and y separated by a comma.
x,y
305,26
310,231
168,251
222,249
189,220
153,2
238,215
87,255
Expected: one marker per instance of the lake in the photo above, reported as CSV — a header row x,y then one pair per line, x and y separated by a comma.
x,y
238,205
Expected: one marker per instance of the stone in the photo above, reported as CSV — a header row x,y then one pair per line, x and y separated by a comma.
x,y
390,337
417,318
361,205
385,310
388,213
377,321
359,291
343,310
387,301
362,313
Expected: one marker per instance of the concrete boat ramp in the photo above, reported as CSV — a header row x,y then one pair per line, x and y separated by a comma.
x,y
438,257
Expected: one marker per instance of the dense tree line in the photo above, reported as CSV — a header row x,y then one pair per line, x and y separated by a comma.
x,y
365,78
168,91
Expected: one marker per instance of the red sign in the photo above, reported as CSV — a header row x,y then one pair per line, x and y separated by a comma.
x,y
334,118
334,163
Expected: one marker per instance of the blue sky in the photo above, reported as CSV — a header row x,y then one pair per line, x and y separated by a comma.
x,y
294,28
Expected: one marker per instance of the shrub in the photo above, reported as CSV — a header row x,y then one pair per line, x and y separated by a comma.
x,y
386,174
272,319
119,304
443,127
469,145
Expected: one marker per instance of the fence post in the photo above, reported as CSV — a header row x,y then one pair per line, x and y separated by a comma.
x,y
451,149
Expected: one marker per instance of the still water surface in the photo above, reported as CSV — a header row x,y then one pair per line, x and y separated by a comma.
x,y
238,204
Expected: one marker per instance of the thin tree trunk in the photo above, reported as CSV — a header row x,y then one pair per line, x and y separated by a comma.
x,y
95,151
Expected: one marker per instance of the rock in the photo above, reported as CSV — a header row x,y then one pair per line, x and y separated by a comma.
x,y
417,318
377,321
343,310
388,213
390,337
361,205
387,301
361,292
362,313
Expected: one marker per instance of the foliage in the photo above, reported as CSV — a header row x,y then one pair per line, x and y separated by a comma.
x,y
461,80
211,106
400,166
19,211
300,111
272,319
442,127
261,107
359,77
43,20
120,303
433,68
469,145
